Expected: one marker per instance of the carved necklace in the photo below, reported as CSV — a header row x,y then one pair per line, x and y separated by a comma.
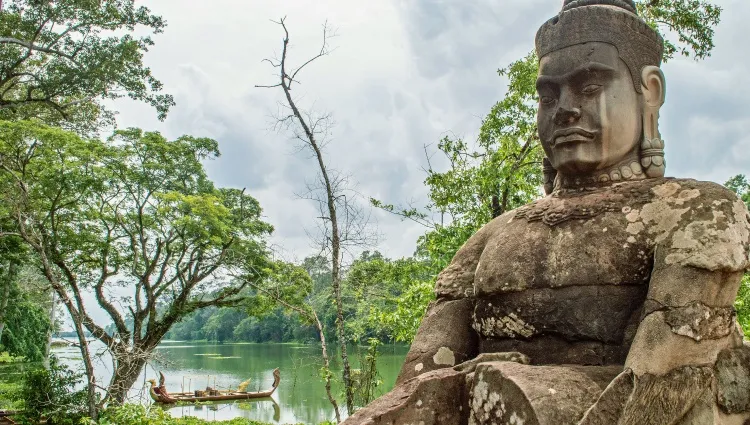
x,y
629,169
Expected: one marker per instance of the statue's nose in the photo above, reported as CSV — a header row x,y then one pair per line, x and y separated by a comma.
x,y
567,115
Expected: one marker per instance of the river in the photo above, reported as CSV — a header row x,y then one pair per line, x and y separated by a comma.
x,y
300,397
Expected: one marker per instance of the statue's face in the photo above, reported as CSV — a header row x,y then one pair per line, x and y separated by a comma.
x,y
589,112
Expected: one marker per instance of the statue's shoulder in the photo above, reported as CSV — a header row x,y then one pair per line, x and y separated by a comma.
x,y
695,223
457,280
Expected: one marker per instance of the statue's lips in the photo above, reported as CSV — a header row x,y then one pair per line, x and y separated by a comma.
x,y
571,135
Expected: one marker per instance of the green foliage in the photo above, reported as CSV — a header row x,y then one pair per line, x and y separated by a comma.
x,y
6,357
26,329
261,318
366,379
743,305
10,398
24,304
388,297
136,211
50,394
739,185
133,414
692,21
60,59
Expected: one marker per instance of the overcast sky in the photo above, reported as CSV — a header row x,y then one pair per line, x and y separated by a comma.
x,y
404,73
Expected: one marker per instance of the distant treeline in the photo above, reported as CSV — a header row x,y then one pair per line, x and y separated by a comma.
x,y
236,325
384,300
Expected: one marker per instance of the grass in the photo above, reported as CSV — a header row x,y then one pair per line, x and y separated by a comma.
x,y
8,398
6,358
133,414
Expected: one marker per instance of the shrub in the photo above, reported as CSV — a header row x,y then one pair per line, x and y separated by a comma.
x,y
743,305
50,394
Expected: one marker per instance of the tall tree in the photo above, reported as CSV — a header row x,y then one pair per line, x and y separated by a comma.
x,y
136,221
343,221
59,60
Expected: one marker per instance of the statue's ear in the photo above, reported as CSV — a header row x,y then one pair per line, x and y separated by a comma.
x,y
652,146
654,86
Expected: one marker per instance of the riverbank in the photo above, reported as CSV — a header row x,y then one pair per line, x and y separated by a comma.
x,y
187,366
138,415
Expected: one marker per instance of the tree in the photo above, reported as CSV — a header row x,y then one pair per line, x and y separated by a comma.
x,y
136,221
503,169
24,322
387,296
25,317
343,223
59,59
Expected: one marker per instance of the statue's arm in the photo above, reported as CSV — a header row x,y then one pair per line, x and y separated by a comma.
x,y
445,337
688,319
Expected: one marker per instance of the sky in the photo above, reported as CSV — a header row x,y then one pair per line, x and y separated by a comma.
x,y
404,73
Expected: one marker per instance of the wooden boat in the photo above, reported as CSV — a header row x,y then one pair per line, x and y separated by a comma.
x,y
160,394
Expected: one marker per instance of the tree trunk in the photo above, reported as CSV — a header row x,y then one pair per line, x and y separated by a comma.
x,y
327,366
336,280
127,371
335,237
52,313
88,366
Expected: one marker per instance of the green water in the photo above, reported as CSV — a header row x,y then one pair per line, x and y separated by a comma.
x,y
300,398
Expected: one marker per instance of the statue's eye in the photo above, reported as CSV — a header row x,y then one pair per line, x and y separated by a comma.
x,y
546,99
591,88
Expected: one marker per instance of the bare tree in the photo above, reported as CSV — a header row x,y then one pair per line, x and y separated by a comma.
x,y
343,223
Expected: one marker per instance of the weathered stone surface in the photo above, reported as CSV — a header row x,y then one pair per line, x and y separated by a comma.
x,y
702,412
444,339
434,398
548,349
664,399
470,366
564,312
513,393
732,371
699,321
609,406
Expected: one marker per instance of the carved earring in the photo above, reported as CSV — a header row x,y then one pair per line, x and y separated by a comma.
x,y
652,145
548,173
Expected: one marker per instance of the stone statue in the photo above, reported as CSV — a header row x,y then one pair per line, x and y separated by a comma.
x,y
610,300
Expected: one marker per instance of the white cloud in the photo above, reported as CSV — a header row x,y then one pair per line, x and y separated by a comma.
x,y
404,73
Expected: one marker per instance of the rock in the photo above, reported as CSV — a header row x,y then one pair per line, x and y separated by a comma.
x,y
732,371
513,393
434,398
608,408
444,339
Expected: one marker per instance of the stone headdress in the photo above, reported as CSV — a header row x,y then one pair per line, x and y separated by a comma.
x,y
615,22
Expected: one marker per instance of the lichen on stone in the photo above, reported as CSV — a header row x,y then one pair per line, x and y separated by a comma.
x,y
444,356
699,321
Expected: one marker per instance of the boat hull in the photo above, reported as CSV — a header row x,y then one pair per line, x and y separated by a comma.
x,y
160,397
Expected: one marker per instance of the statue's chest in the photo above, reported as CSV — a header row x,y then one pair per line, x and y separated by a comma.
x,y
582,279
599,251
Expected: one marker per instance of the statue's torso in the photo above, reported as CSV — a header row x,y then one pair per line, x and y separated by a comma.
x,y
564,279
